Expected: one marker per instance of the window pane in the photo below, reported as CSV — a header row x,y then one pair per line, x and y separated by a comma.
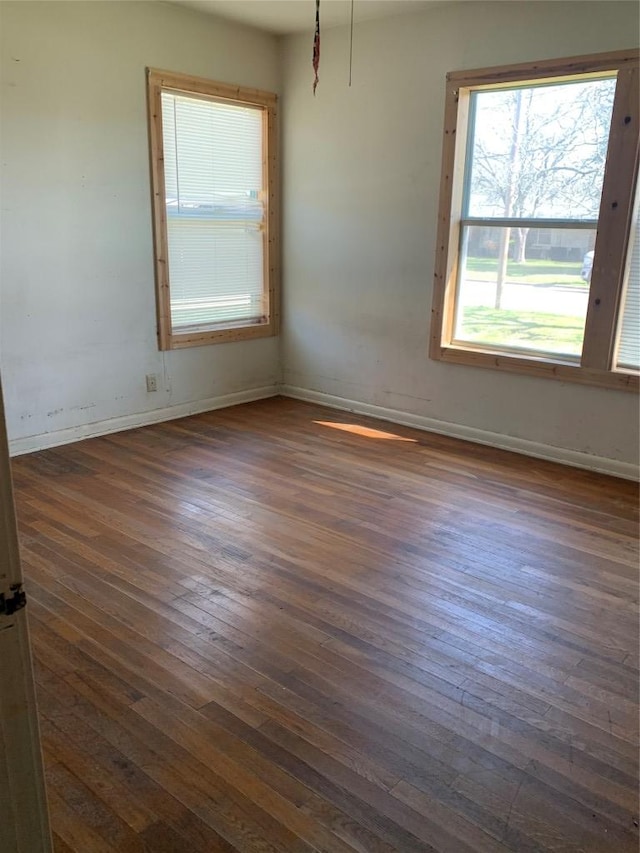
x,y
629,332
213,181
213,151
539,151
216,272
534,299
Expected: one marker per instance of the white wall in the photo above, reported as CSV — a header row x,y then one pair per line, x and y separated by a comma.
x,y
77,299
362,168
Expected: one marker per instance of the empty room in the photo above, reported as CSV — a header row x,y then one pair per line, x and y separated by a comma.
x,y
319,435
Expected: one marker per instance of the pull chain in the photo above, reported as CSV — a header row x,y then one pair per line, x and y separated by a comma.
x,y
351,44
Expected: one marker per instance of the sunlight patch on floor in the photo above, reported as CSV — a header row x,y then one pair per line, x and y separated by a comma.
x,y
366,432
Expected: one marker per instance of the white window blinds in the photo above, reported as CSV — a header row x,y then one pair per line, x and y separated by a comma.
x,y
629,333
213,170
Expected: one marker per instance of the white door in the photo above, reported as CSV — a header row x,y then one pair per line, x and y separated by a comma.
x,y
24,824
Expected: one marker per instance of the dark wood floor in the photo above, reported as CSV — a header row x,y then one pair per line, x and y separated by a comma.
x,y
266,628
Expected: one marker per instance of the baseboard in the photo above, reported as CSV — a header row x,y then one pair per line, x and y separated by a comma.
x,y
31,443
575,458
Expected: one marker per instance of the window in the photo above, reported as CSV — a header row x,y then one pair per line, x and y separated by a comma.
x,y
213,167
537,260
628,343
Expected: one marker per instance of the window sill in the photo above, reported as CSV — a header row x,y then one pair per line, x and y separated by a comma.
x,y
182,340
544,367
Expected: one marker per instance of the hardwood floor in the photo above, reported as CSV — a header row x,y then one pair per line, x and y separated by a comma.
x,y
280,627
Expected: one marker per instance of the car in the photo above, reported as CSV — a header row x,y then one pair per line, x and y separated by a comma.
x,y
587,266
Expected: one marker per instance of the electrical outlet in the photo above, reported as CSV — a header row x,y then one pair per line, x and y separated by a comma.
x,y
152,382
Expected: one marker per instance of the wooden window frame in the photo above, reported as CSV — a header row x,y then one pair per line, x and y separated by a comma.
x,y
614,221
157,82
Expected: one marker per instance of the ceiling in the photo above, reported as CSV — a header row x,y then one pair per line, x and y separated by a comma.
x,y
293,16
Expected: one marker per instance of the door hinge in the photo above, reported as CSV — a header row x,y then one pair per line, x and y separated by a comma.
x,y
16,601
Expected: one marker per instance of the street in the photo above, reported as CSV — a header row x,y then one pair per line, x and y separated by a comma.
x,y
550,299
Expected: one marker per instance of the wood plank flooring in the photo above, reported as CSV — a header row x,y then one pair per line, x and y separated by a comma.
x,y
280,627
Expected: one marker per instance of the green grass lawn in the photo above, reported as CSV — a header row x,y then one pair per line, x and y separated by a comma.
x,y
530,272
524,329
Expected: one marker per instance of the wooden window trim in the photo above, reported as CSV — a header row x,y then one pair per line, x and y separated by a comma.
x,y
621,173
157,82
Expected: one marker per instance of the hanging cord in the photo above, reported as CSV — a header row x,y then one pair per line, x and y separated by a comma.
x,y
351,44
316,47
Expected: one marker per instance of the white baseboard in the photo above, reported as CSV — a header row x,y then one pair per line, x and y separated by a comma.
x,y
30,443
575,458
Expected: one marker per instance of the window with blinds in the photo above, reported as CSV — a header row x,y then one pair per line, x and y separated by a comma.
x,y
628,354
212,153
537,270
535,160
